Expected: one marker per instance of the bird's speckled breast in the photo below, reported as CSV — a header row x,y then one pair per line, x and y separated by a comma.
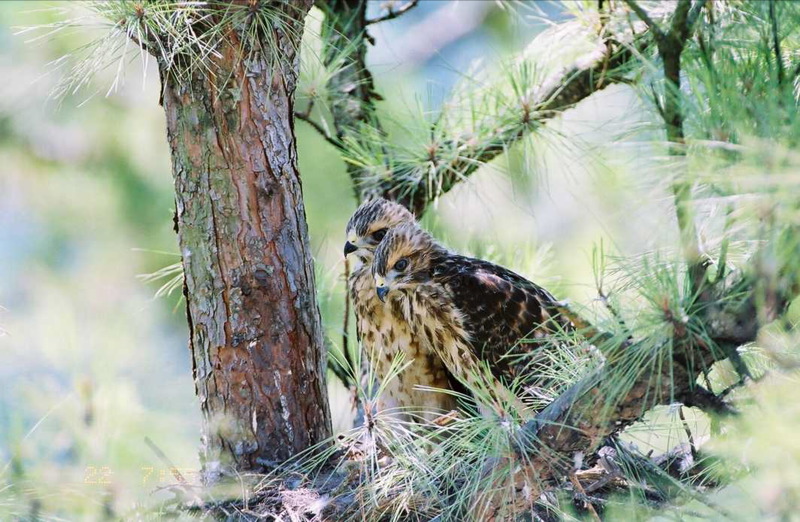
x,y
384,334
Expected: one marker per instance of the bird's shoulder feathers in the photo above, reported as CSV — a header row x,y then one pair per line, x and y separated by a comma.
x,y
498,306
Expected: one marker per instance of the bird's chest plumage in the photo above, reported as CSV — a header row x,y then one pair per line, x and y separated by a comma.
x,y
441,326
384,335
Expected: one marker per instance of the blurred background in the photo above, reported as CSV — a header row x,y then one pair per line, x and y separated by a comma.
x,y
92,363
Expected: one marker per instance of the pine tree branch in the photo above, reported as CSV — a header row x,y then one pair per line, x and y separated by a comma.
x,y
679,27
583,417
319,128
353,96
558,93
580,419
709,402
694,14
351,87
670,48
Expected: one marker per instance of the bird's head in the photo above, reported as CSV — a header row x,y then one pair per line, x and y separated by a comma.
x,y
404,260
370,223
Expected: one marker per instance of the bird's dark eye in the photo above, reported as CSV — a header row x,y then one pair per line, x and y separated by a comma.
x,y
379,234
401,265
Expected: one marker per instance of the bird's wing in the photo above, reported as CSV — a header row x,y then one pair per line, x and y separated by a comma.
x,y
499,308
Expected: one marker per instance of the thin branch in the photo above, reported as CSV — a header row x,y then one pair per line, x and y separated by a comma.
x,y
688,431
183,484
776,42
694,13
739,364
604,298
579,489
563,91
346,318
738,384
338,369
352,88
392,13
657,102
644,17
670,48
163,457
709,402
319,128
679,27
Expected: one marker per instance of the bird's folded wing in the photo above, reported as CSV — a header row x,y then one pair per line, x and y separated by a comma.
x,y
499,309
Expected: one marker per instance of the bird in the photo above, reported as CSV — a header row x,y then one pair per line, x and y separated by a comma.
x,y
424,390
487,324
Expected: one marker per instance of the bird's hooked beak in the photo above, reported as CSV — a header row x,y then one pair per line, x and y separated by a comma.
x,y
349,248
381,289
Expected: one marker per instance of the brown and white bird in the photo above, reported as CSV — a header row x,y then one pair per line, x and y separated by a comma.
x,y
472,313
382,334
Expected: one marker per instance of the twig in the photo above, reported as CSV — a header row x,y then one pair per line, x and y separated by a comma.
x,y
346,318
339,370
322,132
599,277
392,13
776,42
184,485
657,102
644,17
446,418
670,47
707,401
723,259
603,72
160,454
708,381
602,482
694,13
612,472
683,20
576,483
689,435
613,310
738,363
738,384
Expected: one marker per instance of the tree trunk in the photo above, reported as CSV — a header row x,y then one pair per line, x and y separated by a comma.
x,y
254,325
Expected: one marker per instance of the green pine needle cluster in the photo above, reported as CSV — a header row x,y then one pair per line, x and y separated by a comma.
x,y
185,37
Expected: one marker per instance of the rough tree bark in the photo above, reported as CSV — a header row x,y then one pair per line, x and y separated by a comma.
x,y
254,324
